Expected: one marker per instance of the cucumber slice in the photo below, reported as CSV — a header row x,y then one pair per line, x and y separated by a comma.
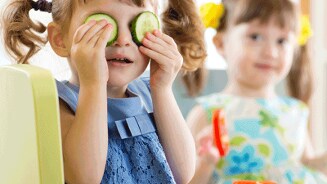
x,y
111,20
143,23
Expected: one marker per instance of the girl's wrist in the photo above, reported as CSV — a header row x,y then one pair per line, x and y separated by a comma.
x,y
318,164
161,89
161,92
94,87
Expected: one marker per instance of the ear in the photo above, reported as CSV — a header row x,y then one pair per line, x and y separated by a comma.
x,y
219,42
56,40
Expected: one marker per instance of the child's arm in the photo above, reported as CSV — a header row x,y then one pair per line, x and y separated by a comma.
x,y
84,140
173,132
207,155
85,134
318,163
315,162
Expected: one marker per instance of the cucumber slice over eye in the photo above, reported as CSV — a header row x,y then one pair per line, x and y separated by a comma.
x,y
143,23
111,20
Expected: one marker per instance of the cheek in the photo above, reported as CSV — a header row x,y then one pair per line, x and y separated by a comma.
x,y
287,62
69,35
144,58
144,61
239,57
75,23
285,68
237,65
232,52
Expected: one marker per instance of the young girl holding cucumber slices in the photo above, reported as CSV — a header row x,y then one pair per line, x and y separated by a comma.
x,y
267,133
117,127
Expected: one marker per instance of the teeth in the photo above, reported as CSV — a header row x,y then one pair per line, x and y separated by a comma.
x,y
121,60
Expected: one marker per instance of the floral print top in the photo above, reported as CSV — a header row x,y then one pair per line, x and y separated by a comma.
x,y
266,140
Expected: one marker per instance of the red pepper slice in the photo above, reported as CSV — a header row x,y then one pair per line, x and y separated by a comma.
x,y
253,182
220,131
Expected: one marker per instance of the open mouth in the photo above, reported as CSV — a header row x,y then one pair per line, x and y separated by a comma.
x,y
120,60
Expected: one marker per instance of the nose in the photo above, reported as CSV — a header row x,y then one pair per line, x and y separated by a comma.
x,y
124,37
271,50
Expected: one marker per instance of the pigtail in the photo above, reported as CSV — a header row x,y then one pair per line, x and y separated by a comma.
x,y
21,34
300,77
182,22
195,81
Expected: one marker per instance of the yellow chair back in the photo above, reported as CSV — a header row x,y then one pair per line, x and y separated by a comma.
x,y
30,140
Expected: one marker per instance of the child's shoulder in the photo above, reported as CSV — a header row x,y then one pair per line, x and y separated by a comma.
x,y
141,88
218,100
210,97
68,93
142,83
214,100
292,102
285,106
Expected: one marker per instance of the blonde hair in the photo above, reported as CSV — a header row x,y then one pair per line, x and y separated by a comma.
x,y
181,21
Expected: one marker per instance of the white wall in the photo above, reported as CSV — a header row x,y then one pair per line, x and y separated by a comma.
x,y
319,43
214,60
3,57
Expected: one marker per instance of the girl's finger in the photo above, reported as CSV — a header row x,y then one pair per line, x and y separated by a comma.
x,y
100,40
94,30
205,132
157,36
165,38
158,57
202,150
207,140
156,46
155,39
104,37
80,32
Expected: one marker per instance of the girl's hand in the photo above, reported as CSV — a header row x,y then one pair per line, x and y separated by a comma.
x,y
207,152
166,59
88,52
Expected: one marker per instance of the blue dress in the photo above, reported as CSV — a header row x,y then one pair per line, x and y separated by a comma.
x,y
266,140
135,154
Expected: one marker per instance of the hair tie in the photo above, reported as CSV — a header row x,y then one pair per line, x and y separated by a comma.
x,y
211,14
41,5
305,30
173,14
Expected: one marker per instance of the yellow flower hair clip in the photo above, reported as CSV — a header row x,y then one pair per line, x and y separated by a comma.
x,y
305,30
211,14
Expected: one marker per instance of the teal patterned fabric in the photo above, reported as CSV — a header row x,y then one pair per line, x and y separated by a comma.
x,y
266,140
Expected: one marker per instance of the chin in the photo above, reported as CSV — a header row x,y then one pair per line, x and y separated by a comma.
x,y
118,81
